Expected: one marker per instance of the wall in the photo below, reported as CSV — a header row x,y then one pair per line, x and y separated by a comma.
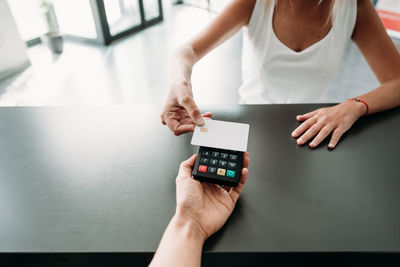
x,y
13,56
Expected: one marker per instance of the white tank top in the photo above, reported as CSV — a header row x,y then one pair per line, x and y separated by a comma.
x,y
274,73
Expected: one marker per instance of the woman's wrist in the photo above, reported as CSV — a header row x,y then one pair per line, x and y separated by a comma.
x,y
188,228
358,107
179,88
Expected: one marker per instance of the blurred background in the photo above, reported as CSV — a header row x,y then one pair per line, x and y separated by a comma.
x,y
116,52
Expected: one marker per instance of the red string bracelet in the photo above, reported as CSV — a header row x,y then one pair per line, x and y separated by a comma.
x,y
361,101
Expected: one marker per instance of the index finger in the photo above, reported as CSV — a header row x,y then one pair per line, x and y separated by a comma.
x,y
303,127
246,159
235,192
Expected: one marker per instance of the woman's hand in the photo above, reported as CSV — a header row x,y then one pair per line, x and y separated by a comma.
x,y
180,112
324,121
206,205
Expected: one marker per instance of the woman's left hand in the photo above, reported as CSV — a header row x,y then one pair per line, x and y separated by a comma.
x,y
324,121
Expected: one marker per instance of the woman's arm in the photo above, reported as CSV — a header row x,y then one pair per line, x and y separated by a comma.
x,y
201,210
384,59
180,112
382,56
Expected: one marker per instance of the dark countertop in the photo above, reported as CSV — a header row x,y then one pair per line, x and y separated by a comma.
x,y
103,180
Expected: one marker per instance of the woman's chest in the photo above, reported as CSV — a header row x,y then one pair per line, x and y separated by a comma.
x,y
300,31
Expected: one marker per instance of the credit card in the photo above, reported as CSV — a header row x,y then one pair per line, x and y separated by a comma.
x,y
222,134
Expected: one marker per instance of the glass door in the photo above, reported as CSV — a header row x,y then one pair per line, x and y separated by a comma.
x,y
122,17
76,18
98,21
151,9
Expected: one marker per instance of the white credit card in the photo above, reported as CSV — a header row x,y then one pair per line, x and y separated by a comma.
x,y
222,134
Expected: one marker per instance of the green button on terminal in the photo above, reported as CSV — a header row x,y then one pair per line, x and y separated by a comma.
x,y
230,173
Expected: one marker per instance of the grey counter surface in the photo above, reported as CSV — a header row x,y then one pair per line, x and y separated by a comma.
x,y
103,180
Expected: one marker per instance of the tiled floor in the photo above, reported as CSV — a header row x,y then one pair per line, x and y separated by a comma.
x,y
134,70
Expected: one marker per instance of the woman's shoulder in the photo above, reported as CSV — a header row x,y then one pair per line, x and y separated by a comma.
x,y
243,9
363,3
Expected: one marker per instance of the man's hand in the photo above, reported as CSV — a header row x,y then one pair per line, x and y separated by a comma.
x,y
324,121
206,205
180,112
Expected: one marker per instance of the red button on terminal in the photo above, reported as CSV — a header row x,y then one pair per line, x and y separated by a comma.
x,y
202,168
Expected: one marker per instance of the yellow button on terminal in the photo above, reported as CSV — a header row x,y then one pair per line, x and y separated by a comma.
x,y
221,172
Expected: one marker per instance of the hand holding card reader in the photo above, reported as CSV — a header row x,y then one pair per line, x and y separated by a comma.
x,y
220,156
218,166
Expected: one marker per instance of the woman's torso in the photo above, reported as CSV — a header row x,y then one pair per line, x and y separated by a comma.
x,y
274,73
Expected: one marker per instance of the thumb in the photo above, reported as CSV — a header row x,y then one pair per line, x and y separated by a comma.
x,y
187,102
187,165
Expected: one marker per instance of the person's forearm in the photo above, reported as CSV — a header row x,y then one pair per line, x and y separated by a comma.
x,y
384,97
181,244
181,65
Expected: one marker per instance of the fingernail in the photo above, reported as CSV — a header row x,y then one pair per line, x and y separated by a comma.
x,y
299,142
293,133
200,121
312,144
331,145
